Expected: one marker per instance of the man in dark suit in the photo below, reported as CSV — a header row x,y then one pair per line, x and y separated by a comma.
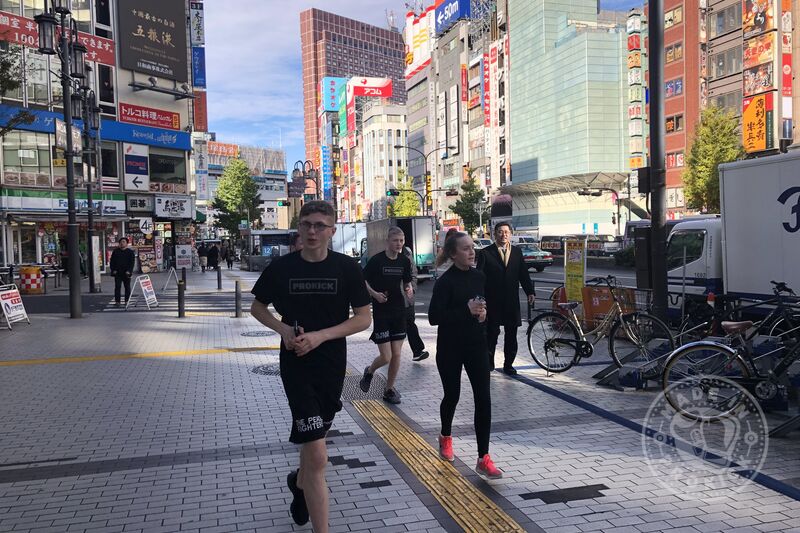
x,y
505,271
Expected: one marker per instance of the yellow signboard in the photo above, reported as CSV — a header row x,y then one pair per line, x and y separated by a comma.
x,y
574,269
757,123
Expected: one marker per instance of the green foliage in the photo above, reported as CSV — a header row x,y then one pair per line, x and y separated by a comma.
x,y
11,80
294,222
464,207
237,197
407,204
716,140
625,257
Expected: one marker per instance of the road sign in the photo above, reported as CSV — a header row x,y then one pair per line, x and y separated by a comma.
x,y
11,306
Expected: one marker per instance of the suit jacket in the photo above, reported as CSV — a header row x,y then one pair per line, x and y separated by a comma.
x,y
502,284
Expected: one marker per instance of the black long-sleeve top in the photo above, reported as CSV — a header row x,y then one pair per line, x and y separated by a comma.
x,y
122,261
458,328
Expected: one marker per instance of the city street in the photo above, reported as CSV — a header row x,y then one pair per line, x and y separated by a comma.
x,y
140,421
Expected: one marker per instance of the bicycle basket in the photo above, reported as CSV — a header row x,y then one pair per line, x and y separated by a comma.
x,y
631,299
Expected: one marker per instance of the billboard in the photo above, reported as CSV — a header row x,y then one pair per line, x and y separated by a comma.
x,y
758,16
759,79
758,123
149,116
223,149
197,32
374,87
137,167
759,50
200,107
152,38
418,38
199,67
328,93
448,12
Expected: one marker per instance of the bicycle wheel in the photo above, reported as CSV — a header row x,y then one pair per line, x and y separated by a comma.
x,y
690,386
690,330
641,340
543,334
782,328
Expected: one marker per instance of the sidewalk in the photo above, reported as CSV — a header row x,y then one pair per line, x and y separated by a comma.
x,y
146,422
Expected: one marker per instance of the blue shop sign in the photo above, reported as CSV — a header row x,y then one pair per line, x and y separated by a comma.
x,y
132,133
448,12
198,66
43,121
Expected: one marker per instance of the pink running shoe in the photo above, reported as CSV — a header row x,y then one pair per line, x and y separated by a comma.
x,y
487,469
446,448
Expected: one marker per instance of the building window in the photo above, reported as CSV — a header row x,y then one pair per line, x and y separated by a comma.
x,y
674,124
102,12
726,20
675,160
106,91
673,88
10,6
26,159
110,166
731,101
30,8
167,171
673,17
726,63
15,52
36,78
674,52
416,125
60,169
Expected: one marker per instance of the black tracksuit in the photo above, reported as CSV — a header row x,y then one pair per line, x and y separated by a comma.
x,y
121,265
461,341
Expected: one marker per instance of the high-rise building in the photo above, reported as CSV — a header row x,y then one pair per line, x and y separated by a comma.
x,y
339,47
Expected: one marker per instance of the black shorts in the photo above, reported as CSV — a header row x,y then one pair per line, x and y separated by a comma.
x,y
387,328
314,399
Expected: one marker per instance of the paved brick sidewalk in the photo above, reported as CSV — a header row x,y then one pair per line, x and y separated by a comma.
x,y
198,442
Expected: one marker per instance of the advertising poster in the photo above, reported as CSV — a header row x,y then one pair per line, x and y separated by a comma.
x,y
574,269
183,256
137,167
758,123
12,306
759,79
149,116
98,259
759,50
758,16
152,38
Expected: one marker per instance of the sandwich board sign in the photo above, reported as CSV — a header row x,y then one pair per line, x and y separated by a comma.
x,y
148,292
11,306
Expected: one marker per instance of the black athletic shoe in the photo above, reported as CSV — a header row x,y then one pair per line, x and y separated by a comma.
x,y
510,370
391,396
298,508
366,380
421,356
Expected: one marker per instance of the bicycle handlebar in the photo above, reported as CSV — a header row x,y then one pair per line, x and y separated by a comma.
x,y
780,287
609,280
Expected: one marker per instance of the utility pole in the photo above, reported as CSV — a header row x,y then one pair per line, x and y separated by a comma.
x,y
658,198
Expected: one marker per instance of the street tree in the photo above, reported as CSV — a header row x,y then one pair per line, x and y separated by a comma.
x,y
10,81
407,204
716,141
471,196
236,198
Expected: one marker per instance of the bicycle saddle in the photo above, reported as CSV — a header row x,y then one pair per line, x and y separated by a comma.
x,y
731,328
569,305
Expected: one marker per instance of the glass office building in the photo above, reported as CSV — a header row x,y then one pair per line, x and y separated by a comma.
x,y
568,113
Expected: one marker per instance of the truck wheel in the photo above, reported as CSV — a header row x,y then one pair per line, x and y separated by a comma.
x,y
539,269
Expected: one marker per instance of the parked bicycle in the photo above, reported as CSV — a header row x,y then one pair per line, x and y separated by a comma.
x,y
783,319
557,342
690,372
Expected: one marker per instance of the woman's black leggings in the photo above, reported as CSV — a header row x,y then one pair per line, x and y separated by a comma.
x,y
476,364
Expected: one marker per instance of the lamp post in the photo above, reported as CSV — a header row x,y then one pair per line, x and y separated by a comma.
x,y
305,170
425,156
598,191
91,121
72,55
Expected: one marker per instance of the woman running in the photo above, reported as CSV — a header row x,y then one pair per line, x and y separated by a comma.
x,y
458,308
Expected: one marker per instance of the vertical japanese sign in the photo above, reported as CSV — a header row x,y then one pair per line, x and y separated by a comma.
x,y
487,99
786,70
574,269
493,76
200,106
198,67
197,32
758,123
152,38
200,160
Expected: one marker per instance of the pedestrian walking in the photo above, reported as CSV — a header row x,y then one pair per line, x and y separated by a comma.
x,y
458,309
213,257
202,253
414,341
313,292
388,275
295,243
505,271
122,262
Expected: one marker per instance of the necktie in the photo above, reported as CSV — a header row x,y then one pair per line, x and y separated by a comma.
x,y
505,256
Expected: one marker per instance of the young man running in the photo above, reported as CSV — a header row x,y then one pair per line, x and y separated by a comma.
x,y
312,290
388,275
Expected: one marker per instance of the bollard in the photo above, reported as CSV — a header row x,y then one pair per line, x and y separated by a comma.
x,y
219,279
183,275
238,299
181,299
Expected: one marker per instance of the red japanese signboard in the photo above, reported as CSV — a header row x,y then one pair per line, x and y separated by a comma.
x,y
22,30
200,111
377,87
634,42
464,84
148,116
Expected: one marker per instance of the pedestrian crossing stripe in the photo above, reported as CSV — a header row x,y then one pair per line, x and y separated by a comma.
x,y
468,506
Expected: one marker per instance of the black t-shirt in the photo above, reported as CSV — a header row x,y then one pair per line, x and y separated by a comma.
x,y
316,295
458,328
388,276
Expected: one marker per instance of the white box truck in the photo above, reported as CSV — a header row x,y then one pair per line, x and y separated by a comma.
x,y
419,232
755,240
347,239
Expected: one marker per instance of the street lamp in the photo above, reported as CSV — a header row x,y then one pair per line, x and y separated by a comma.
x,y
90,113
305,170
72,55
425,156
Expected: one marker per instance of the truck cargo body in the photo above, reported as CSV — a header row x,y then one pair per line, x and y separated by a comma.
x,y
419,238
347,239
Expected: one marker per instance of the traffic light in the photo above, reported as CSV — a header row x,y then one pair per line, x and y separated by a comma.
x,y
451,192
283,203
644,180
392,192
613,218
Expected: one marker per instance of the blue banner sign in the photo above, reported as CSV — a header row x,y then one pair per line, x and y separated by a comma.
x,y
199,67
449,12
133,133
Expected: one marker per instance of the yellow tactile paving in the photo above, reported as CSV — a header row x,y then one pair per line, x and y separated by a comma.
x,y
468,506
90,358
